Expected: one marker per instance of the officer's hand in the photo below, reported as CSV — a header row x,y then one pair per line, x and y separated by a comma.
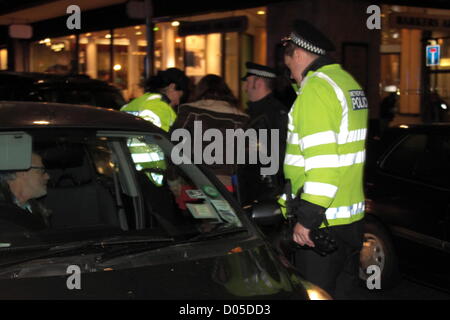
x,y
301,235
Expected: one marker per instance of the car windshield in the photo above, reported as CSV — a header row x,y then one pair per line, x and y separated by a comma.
x,y
87,185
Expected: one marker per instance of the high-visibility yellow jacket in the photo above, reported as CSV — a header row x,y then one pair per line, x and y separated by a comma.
x,y
325,151
152,107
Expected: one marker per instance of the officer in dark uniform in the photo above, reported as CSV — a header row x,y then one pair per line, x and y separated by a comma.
x,y
266,112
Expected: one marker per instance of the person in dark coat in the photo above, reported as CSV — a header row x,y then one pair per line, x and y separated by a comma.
x,y
20,211
215,107
266,112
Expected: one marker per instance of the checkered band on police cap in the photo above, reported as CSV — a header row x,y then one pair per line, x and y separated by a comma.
x,y
302,43
258,70
261,73
308,37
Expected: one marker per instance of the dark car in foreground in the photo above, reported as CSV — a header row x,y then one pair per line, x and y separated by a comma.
x,y
127,222
408,204
46,87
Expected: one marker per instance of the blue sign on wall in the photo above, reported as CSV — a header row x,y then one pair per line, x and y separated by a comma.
x,y
433,55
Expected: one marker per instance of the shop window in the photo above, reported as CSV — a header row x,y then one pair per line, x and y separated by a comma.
x,y
203,55
232,62
3,59
217,53
94,55
54,55
440,75
390,73
129,60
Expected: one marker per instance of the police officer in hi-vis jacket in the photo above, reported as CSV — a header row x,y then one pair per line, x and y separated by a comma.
x,y
325,156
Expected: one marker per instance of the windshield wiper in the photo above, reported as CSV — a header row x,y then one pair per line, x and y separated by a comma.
x,y
73,247
218,232
148,246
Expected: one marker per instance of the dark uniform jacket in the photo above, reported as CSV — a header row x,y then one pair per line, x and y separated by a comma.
x,y
267,113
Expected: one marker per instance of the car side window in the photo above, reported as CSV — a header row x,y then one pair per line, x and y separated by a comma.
x,y
402,160
177,198
81,190
433,166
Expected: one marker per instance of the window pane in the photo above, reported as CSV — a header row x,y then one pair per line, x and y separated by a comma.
x,y
434,164
54,55
80,195
403,158
232,62
3,59
177,197
196,57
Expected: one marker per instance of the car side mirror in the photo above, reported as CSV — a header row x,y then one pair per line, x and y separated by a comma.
x,y
266,213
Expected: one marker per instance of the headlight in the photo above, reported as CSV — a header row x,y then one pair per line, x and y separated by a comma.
x,y
315,292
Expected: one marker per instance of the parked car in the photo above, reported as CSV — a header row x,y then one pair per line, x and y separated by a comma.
x,y
408,204
73,89
124,218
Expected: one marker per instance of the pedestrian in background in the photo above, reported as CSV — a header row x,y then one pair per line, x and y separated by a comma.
x,y
216,107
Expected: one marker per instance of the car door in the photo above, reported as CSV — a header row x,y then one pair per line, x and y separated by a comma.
x,y
412,199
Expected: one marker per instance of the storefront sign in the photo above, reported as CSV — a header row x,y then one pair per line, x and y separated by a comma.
x,y
234,24
419,21
433,55
20,31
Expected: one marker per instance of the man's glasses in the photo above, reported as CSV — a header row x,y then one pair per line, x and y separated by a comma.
x,y
41,169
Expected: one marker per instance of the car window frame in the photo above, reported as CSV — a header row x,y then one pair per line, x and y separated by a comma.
x,y
393,148
238,211
412,179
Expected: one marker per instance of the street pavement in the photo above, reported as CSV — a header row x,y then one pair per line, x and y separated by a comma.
x,y
407,289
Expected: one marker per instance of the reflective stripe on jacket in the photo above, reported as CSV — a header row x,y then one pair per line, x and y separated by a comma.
x,y
153,108
325,151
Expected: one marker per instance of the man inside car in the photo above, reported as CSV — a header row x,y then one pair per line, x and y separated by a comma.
x,y
19,191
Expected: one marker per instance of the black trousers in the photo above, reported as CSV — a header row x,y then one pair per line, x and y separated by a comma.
x,y
324,271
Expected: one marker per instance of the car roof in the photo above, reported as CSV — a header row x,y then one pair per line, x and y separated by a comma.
x,y
31,115
43,79
424,127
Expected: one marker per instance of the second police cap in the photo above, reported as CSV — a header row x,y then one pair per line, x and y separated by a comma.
x,y
258,70
309,38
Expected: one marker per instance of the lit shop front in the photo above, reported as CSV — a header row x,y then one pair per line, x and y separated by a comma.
x,y
216,43
423,86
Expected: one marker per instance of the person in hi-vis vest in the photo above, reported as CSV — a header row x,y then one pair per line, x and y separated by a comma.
x,y
325,155
163,93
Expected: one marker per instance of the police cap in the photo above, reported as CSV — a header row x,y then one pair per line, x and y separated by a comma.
x,y
254,69
307,37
